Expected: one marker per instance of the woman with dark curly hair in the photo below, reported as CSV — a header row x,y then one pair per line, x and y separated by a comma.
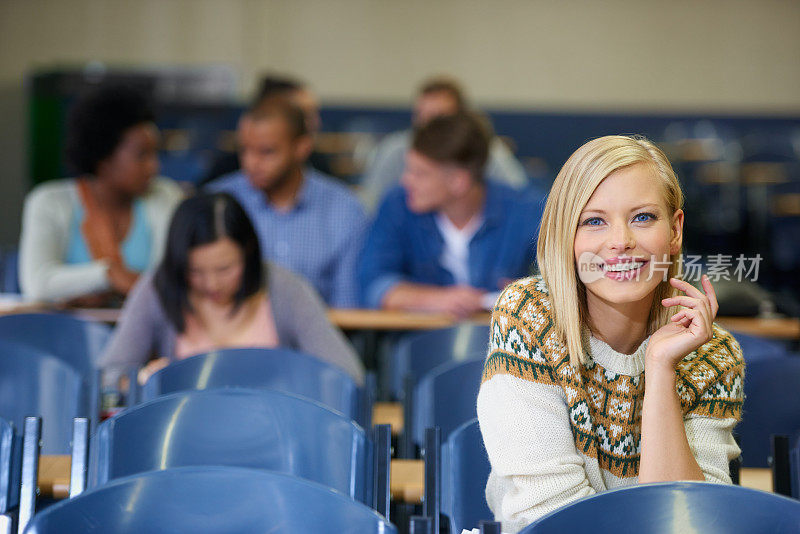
x,y
86,239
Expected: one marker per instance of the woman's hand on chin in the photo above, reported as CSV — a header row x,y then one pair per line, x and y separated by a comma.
x,y
687,330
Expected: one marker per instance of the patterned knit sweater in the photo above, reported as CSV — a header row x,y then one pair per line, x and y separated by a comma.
x,y
555,433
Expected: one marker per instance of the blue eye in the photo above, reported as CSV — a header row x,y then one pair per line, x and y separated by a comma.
x,y
592,221
644,217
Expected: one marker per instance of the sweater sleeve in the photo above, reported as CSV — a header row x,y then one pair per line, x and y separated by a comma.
x,y
712,392
302,322
43,273
524,419
139,331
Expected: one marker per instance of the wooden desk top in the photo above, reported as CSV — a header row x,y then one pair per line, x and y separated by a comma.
x,y
54,475
386,320
362,319
388,413
407,482
346,319
779,328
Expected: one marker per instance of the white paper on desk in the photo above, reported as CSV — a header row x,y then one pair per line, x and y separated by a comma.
x,y
474,531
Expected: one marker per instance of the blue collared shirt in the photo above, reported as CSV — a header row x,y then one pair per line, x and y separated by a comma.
x,y
406,246
319,238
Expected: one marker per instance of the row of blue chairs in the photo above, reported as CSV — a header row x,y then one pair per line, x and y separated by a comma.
x,y
442,373
50,371
78,343
220,369
239,428
456,473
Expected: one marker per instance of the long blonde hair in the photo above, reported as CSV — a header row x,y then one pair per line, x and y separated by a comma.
x,y
574,185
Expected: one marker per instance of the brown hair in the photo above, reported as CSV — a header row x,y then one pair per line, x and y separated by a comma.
x,y
444,84
461,139
281,108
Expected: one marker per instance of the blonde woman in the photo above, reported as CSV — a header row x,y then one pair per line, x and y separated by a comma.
x,y
563,407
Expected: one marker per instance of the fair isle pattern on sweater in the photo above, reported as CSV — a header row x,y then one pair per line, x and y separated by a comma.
x,y
605,408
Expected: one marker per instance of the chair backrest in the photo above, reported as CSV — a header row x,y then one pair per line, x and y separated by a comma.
x,y
34,383
465,470
236,427
9,272
772,397
209,500
78,342
446,397
279,369
675,507
794,471
758,348
421,352
10,465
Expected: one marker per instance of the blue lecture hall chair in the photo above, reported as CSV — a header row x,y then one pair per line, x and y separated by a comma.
x,y
794,471
772,397
785,464
210,500
239,427
419,353
445,397
465,469
10,465
455,479
674,507
756,348
280,369
78,342
34,383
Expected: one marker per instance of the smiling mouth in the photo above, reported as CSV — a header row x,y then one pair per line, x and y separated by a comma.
x,y
623,267
623,271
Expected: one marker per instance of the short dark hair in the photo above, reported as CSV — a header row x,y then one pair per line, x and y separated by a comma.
x,y
282,108
201,220
444,84
97,122
461,139
275,85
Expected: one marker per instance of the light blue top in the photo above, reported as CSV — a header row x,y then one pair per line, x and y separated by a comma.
x,y
135,248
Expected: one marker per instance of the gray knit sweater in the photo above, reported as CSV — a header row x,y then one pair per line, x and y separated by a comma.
x,y
300,320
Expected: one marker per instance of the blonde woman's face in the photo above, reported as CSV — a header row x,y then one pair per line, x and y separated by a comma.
x,y
625,237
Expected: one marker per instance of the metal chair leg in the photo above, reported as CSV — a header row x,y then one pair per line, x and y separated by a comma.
x,y
80,456
431,506
31,446
383,456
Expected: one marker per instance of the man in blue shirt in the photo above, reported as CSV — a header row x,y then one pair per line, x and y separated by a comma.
x,y
305,220
448,240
